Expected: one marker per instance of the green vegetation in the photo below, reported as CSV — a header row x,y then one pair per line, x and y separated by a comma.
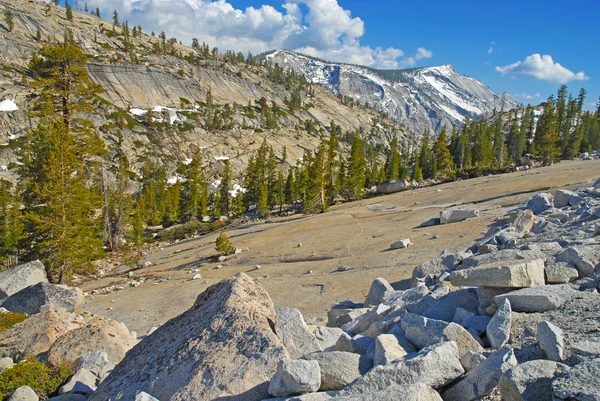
x,y
41,377
223,245
8,320
9,19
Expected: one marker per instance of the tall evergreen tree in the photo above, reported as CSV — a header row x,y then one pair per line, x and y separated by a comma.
x,y
12,230
192,190
426,157
225,187
442,156
69,11
356,169
546,140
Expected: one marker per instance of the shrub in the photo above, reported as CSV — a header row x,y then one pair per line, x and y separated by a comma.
x,y
183,231
41,377
223,245
8,320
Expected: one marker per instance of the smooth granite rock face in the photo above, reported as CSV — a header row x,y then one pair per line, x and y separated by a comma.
x,y
295,377
294,334
20,277
338,369
35,298
502,274
551,340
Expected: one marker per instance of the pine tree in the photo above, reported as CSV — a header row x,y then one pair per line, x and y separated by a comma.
x,y
289,187
417,172
38,34
9,19
69,11
356,169
223,245
392,163
426,157
119,205
443,159
115,19
546,138
225,187
516,140
192,190
12,230
331,173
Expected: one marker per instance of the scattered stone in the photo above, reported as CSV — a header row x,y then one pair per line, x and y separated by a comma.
x,y
540,203
110,335
471,360
393,186
586,348
403,243
581,383
530,381
6,363
562,198
460,314
82,382
423,332
445,307
20,277
339,317
295,377
522,221
436,366
33,299
327,337
515,274
550,338
483,379
34,335
338,369
560,273
229,318
379,292
294,334
538,299
433,267
584,258
387,350
358,344
362,323
343,268
196,276
486,248
498,329
143,396
453,215
24,393
96,362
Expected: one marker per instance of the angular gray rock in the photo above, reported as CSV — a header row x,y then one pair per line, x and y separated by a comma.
x,y
143,396
294,334
537,299
560,273
96,362
581,383
483,379
502,274
24,393
485,296
363,322
453,215
423,332
327,337
223,346
584,258
435,366
562,198
82,382
586,348
551,340
498,329
6,363
476,325
338,369
21,276
522,221
379,292
358,344
32,299
69,397
295,377
433,267
413,392
339,317
540,203
446,306
471,360
393,186
320,396
403,243
530,381
387,350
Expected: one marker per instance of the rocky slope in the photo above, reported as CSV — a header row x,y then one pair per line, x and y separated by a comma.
x,y
420,98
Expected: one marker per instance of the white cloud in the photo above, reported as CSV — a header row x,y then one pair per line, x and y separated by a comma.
x,y
321,28
527,96
542,68
491,49
421,54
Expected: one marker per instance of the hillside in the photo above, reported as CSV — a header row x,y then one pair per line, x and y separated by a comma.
x,y
420,98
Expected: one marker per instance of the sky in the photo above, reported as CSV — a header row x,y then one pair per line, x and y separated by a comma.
x,y
526,48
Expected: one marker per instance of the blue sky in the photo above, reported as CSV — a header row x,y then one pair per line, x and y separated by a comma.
x,y
527,48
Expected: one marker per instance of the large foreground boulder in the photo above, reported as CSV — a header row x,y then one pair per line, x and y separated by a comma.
x,y
581,383
530,381
538,299
35,298
34,335
502,274
109,335
294,334
223,347
453,215
21,276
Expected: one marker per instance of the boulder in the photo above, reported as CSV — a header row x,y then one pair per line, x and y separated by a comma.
x,y
327,337
538,299
515,274
540,203
446,306
294,334
581,383
24,393
379,292
433,267
413,392
82,382
530,381
20,277
422,332
363,322
96,362
476,325
403,243
548,248
34,335
404,297
35,298
295,377
321,396
143,396
551,340
586,348
339,317
358,344
435,366
562,198
584,258
560,273
498,329
471,360
486,248
109,335
485,296
522,221
483,379
222,347
6,363
393,186
69,397
387,350
453,215
460,314
338,369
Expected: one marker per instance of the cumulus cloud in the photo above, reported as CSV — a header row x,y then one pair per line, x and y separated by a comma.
x,y
421,54
542,68
321,28
527,96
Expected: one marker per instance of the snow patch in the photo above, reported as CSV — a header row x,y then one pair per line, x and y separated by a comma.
x,y
3,168
219,158
138,112
8,105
